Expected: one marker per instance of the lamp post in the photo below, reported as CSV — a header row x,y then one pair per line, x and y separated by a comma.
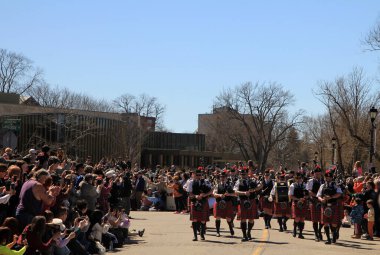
x,y
373,115
316,158
333,142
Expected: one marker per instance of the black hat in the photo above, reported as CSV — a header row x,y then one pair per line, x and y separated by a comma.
x,y
329,173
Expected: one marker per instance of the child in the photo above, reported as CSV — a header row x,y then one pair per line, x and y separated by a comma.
x,y
357,217
5,247
346,222
370,218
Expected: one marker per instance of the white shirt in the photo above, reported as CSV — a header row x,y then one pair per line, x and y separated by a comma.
x,y
292,187
186,186
190,187
309,184
338,189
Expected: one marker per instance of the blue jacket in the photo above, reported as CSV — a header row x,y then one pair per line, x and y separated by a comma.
x,y
357,214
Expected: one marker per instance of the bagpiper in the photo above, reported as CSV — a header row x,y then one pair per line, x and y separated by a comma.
x,y
328,194
246,189
280,198
265,205
313,186
223,208
297,193
199,190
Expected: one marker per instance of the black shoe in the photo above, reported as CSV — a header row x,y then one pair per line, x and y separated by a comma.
x,y
316,238
328,242
249,236
217,234
203,238
300,236
320,236
232,233
281,230
266,227
244,239
285,227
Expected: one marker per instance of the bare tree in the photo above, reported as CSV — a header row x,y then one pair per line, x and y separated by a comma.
x,y
17,73
372,39
56,97
348,100
261,110
142,105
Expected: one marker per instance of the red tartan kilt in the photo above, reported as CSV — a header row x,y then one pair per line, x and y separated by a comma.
x,y
266,206
247,214
341,209
315,212
279,212
227,212
188,203
297,212
335,217
200,215
308,212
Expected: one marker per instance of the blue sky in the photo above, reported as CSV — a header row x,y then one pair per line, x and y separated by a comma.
x,y
186,52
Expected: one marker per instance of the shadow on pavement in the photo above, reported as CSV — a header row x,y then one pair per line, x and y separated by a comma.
x,y
269,242
352,246
129,242
219,242
349,241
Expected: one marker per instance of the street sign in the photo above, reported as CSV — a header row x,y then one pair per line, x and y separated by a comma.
x,y
11,124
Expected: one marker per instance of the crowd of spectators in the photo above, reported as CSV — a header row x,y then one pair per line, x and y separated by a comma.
x,y
52,205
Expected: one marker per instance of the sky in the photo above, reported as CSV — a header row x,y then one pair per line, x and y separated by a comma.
x,y
186,52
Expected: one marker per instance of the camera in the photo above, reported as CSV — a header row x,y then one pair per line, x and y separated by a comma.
x,y
8,186
99,182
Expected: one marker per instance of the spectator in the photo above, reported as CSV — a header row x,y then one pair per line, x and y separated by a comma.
x,y
43,157
32,156
34,196
358,170
139,188
376,207
5,247
178,192
88,192
34,234
370,218
7,153
357,217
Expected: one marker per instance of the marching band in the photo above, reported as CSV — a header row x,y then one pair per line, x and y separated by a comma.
x,y
249,196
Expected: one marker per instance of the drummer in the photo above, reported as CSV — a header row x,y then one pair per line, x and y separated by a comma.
x,y
281,205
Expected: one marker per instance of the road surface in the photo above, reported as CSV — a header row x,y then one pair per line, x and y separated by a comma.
x,y
168,233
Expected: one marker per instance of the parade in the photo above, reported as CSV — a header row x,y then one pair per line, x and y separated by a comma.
x,y
308,195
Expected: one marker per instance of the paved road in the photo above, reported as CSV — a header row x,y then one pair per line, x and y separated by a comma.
x,y
168,233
